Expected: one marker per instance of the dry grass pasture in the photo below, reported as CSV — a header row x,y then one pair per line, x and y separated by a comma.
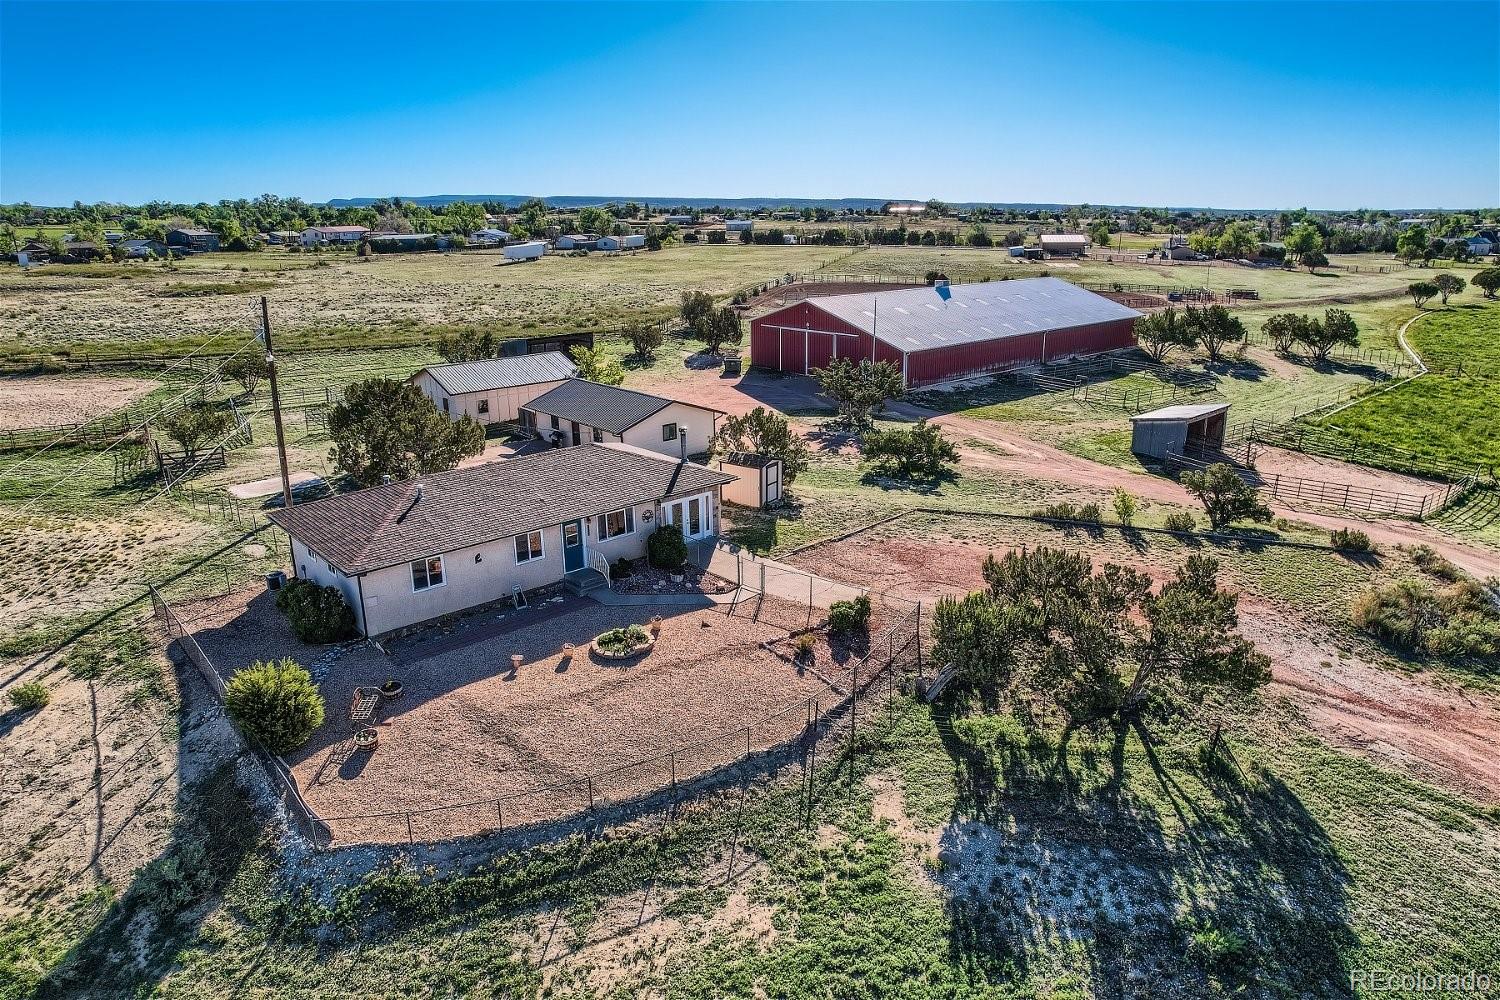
x,y
137,305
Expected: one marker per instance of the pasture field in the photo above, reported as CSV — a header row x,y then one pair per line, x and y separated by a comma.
x,y
935,863
1273,284
1452,417
339,300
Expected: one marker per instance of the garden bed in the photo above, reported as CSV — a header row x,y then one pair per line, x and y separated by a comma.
x,y
647,579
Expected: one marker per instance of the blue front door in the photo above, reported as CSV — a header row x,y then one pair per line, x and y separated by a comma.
x,y
572,546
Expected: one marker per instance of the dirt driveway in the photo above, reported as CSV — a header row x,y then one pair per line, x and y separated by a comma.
x,y
1447,737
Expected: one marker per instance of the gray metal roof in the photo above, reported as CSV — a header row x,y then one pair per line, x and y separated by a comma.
x,y
607,407
920,319
1181,411
389,525
502,373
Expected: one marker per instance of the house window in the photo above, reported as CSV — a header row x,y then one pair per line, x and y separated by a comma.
x,y
528,546
555,424
598,436
484,406
445,404
620,522
669,432
427,573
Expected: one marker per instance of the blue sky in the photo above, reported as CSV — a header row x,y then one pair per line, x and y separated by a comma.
x,y
1227,104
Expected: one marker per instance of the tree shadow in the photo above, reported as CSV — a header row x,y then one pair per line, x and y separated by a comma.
x,y
1105,842
215,828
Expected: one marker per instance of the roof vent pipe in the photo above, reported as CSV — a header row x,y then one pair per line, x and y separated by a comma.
x,y
682,433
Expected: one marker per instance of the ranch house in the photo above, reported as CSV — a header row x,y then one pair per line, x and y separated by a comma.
x,y
939,333
315,235
579,412
493,391
576,241
406,553
193,240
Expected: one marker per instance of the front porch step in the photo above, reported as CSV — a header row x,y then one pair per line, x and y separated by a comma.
x,y
581,581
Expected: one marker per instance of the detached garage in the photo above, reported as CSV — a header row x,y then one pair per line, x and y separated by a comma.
x,y
942,332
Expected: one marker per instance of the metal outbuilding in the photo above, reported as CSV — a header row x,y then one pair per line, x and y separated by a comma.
x,y
495,390
1183,429
942,332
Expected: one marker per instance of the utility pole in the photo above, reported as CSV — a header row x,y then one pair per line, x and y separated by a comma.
x,y
286,479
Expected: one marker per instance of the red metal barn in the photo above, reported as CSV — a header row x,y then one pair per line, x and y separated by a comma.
x,y
944,332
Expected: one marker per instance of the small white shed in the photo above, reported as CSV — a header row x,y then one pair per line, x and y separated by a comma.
x,y
757,479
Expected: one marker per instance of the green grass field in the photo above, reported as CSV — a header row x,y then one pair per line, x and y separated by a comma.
x,y
1454,418
1303,859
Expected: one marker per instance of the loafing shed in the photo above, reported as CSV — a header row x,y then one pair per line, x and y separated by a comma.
x,y
1179,430
939,333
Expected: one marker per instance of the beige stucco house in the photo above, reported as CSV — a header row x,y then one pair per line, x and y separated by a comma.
x,y
409,552
493,391
578,412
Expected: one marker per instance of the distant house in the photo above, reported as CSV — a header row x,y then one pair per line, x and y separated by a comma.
x,y
904,207
1409,223
81,252
410,552
634,241
1480,246
738,225
193,240
488,235
283,237
789,239
1064,244
579,411
577,241
493,391
406,242
136,249
314,235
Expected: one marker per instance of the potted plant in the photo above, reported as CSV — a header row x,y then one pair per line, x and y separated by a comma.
x,y
391,689
366,739
656,624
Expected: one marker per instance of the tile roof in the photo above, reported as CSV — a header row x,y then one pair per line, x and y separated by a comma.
x,y
501,373
446,511
919,319
607,407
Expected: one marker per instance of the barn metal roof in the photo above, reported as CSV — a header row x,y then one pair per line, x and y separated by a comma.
x,y
502,373
1182,411
920,319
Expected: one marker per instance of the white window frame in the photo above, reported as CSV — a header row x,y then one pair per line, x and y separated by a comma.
x,y
426,568
628,518
541,546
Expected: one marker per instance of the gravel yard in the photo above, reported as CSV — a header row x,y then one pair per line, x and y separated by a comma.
x,y
469,728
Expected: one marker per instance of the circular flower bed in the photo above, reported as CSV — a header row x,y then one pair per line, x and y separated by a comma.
x,y
623,643
366,739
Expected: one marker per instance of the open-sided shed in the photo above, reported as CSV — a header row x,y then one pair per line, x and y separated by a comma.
x,y
1182,429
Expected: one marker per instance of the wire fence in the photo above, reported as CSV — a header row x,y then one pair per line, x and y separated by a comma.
x,y
862,692
279,778
795,732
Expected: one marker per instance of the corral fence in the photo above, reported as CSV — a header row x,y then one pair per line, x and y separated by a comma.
x,y
110,428
1341,496
278,776
175,466
1079,377
797,733
1315,439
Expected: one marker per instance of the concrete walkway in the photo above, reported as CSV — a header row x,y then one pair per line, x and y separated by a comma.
x,y
755,574
613,599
